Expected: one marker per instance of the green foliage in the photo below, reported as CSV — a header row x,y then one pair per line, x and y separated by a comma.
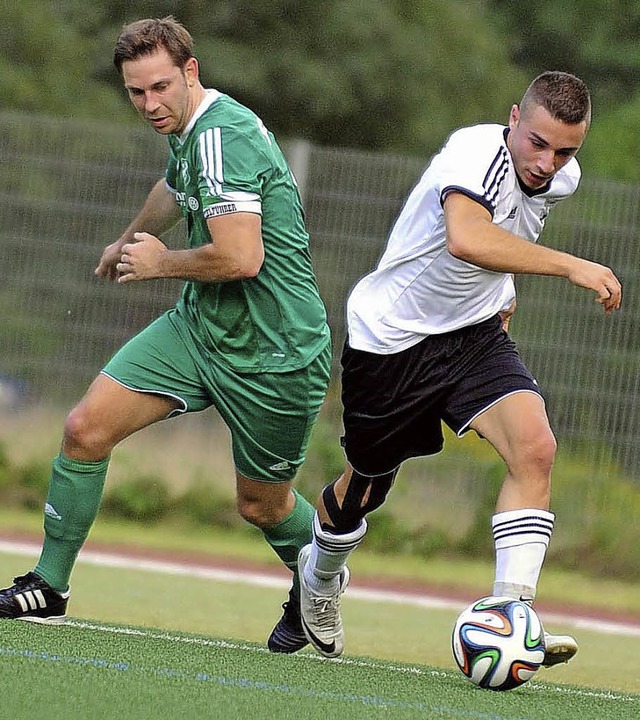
x,y
599,42
325,459
23,486
373,76
596,39
604,537
205,505
384,75
450,513
387,534
391,534
5,469
478,540
44,63
146,499
342,73
616,130
34,476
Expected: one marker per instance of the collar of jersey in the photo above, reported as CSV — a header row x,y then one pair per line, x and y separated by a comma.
x,y
207,102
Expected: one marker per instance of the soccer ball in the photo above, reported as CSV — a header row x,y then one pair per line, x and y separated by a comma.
x,y
498,643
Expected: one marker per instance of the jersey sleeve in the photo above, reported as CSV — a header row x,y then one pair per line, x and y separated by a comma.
x,y
232,166
171,171
474,161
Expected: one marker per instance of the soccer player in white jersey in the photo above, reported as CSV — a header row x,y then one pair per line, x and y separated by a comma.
x,y
248,335
428,343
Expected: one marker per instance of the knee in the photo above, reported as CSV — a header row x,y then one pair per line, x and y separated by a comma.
x,y
260,513
536,453
544,451
82,437
359,495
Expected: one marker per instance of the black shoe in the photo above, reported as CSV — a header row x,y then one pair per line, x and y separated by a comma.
x,y
33,599
288,635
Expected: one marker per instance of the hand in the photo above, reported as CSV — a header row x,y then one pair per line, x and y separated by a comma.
x,y
141,259
600,279
505,315
107,267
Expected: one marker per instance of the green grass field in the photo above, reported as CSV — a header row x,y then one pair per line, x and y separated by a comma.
x,y
85,670
144,644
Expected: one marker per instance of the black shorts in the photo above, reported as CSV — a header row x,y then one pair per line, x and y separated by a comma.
x,y
394,405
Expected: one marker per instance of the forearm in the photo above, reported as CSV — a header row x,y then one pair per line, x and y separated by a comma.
x,y
205,264
474,238
493,248
235,252
158,214
148,258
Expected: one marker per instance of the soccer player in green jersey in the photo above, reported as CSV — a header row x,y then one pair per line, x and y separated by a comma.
x,y
248,335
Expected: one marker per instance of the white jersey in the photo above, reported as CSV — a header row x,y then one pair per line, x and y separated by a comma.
x,y
418,287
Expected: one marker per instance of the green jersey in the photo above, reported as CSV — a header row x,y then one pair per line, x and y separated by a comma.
x,y
226,161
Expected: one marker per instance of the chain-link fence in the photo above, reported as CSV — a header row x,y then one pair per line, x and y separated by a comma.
x,y
68,189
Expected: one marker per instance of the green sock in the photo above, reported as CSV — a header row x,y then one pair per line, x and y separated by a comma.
x,y
291,534
75,492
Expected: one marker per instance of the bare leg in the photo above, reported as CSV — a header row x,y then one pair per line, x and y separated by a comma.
x,y
106,414
518,428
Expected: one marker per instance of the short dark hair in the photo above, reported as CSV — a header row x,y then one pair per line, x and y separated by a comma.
x,y
144,37
562,94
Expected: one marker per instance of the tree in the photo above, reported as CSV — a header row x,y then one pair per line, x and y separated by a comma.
x,y
612,147
595,39
383,75
43,63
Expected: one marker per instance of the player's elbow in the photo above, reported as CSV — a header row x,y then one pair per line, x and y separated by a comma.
x,y
248,272
459,247
251,264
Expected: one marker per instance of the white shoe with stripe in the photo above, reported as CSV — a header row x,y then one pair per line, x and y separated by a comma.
x,y
320,614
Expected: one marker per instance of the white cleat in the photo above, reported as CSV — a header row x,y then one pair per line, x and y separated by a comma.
x,y
559,649
320,614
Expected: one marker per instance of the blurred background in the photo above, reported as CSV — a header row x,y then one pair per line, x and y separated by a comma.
x,y
360,95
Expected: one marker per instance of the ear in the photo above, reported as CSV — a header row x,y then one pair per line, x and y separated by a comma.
x,y
514,117
191,71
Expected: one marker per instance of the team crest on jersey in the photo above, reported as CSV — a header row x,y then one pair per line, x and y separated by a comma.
x,y
188,201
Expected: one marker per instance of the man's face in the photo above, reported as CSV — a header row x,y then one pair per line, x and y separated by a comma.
x,y
162,92
540,145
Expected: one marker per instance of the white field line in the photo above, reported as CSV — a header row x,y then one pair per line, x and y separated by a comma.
x,y
247,577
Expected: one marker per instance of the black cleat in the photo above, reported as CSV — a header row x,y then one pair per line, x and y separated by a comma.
x,y
288,636
33,599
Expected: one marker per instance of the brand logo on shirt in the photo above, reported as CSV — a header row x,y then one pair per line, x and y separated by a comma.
x,y
513,213
184,171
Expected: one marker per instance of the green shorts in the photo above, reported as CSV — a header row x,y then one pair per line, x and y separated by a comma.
x,y
270,415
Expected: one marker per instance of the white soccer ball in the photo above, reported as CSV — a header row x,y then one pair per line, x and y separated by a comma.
x,y
498,643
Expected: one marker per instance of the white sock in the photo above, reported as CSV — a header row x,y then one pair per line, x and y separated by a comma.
x,y
521,539
329,554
